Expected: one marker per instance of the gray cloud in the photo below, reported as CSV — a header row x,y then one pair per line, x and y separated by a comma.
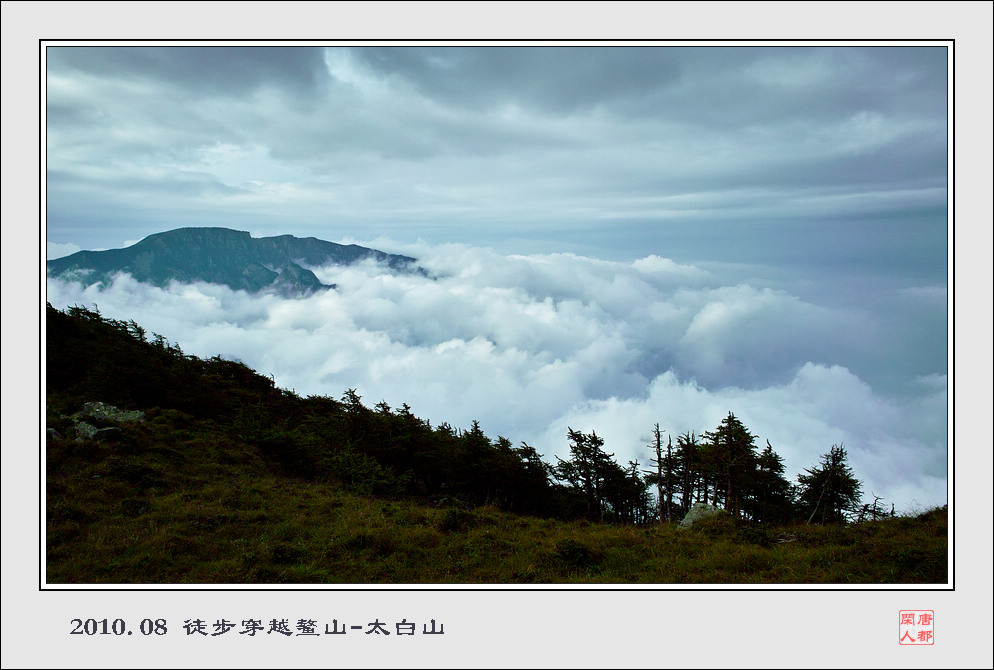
x,y
459,143
555,79
703,86
217,71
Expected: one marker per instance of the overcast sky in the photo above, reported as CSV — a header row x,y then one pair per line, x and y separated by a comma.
x,y
625,236
810,156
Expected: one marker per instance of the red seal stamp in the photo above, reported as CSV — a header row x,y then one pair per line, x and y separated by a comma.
x,y
916,627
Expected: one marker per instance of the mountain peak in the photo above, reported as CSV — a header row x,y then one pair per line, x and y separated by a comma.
x,y
222,256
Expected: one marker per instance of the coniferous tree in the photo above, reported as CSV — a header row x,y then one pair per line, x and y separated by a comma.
x,y
535,473
830,490
773,493
624,493
607,490
586,470
733,462
661,475
532,488
690,469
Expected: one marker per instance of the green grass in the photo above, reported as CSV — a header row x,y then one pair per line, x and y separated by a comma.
x,y
177,515
177,500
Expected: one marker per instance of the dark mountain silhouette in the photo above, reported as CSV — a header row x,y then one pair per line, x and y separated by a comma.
x,y
222,256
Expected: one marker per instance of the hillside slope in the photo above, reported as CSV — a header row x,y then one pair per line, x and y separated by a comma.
x,y
166,468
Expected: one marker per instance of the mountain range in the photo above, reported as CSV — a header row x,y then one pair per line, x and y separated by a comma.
x,y
223,256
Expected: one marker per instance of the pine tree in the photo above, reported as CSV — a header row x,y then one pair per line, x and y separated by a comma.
x,y
662,475
733,462
773,500
688,464
830,489
586,470
627,494
608,491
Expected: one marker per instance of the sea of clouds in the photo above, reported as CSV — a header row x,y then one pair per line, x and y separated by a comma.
x,y
531,345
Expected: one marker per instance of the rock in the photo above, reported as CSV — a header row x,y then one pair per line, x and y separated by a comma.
x,y
102,412
700,511
99,410
85,431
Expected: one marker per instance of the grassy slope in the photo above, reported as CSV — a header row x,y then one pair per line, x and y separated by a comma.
x,y
175,501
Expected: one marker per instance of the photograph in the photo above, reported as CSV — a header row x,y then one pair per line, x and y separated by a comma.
x,y
496,335
496,314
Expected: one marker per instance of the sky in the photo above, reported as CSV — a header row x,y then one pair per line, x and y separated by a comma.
x,y
798,156
619,236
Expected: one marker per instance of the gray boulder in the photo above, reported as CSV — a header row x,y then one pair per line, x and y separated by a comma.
x,y
102,413
85,431
99,410
700,511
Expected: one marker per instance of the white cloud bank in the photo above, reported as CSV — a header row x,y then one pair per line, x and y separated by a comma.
x,y
529,345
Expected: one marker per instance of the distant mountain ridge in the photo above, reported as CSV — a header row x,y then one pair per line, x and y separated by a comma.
x,y
223,256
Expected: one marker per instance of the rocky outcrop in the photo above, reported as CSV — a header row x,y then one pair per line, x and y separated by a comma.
x,y
104,412
700,511
86,431
84,428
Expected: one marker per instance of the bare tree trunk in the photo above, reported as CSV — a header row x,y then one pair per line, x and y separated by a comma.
x,y
827,480
669,480
659,472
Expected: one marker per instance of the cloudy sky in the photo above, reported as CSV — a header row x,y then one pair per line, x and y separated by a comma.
x,y
622,235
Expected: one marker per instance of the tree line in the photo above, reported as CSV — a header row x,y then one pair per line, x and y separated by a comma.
x,y
722,468
391,452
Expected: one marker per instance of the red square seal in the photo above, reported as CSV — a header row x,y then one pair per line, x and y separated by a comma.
x,y
916,627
